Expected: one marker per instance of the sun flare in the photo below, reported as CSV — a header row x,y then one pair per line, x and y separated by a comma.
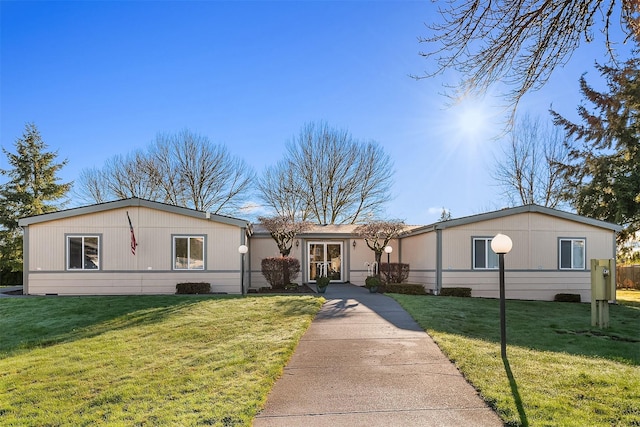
x,y
473,121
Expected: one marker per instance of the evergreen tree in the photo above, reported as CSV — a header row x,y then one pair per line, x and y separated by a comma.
x,y
32,189
445,215
603,171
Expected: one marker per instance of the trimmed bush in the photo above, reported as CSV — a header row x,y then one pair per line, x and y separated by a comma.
x,y
567,298
322,282
10,278
193,288
406,288
372,282
280,271
456,292
399,272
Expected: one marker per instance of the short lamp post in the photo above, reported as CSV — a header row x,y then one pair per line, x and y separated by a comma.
x,y
388,250
501,245
242,249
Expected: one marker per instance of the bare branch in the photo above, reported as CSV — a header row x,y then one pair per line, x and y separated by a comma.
x,y
329,177
519,42
529,169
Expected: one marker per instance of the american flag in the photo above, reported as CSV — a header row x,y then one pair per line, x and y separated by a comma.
x,y
133,236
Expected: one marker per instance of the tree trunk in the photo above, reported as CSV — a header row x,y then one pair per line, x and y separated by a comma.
x,y
378,260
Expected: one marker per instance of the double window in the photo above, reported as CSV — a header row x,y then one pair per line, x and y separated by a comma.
x,y
572,254
83,252
188,252
483,256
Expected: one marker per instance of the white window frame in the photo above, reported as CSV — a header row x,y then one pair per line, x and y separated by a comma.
x,y
487,252
188,267
572,255
97,258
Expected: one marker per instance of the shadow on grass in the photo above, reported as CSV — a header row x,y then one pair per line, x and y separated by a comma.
x,y
516,394
42,321
538,325
294,304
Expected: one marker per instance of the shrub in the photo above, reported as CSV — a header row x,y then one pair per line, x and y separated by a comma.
x,y
406,288
372,282
280,271
399,272
10,278
322,281
567,298
193,288
456,292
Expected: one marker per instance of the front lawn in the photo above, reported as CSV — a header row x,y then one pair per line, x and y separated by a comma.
x,y
559,370
144,360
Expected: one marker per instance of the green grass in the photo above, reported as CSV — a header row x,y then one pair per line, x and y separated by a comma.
x,y
629,297
559,370
144,360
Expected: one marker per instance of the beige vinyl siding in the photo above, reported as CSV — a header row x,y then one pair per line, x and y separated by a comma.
x,y
263,247
126,283
527,285
149,271
419,251
532,266
535,241
361,255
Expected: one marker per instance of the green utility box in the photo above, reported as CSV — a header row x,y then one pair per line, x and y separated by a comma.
x,y
602,290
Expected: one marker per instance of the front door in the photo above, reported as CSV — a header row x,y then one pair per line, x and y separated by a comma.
x,y
325,259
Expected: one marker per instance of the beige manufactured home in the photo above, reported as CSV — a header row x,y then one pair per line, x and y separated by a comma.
x,y
131,246
89,251
550,254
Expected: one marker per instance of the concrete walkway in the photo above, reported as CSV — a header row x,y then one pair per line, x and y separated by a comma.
x,y
365,362
3,291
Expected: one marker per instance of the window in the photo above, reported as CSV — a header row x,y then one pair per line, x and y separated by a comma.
x,y
83,252
572,254
188,252
483,255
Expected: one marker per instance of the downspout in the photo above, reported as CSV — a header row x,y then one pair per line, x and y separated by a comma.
x,y
438,261
25,260
614,268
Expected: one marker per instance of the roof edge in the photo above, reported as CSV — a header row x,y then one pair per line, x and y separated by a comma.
x,y
527,209
131,202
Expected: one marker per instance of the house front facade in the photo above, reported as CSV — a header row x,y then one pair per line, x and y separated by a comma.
x,y
86,251
551,253
93,250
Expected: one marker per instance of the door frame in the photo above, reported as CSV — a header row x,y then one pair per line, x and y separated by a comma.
x,y
324,243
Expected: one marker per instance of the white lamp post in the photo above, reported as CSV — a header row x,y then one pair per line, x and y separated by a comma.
x,y
388,250
242,249
502,244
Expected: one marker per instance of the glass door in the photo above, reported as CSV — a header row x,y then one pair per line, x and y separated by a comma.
x,y
325,259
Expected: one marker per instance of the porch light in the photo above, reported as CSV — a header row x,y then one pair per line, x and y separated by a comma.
x,y
354,244
502,244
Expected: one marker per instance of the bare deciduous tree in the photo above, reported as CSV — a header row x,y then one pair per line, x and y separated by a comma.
x,y
521,42
183,169
339,180
129,177
197,174
279,190
378,233
283,230
530,168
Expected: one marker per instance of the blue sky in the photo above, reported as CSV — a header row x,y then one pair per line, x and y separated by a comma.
x,y
101,78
